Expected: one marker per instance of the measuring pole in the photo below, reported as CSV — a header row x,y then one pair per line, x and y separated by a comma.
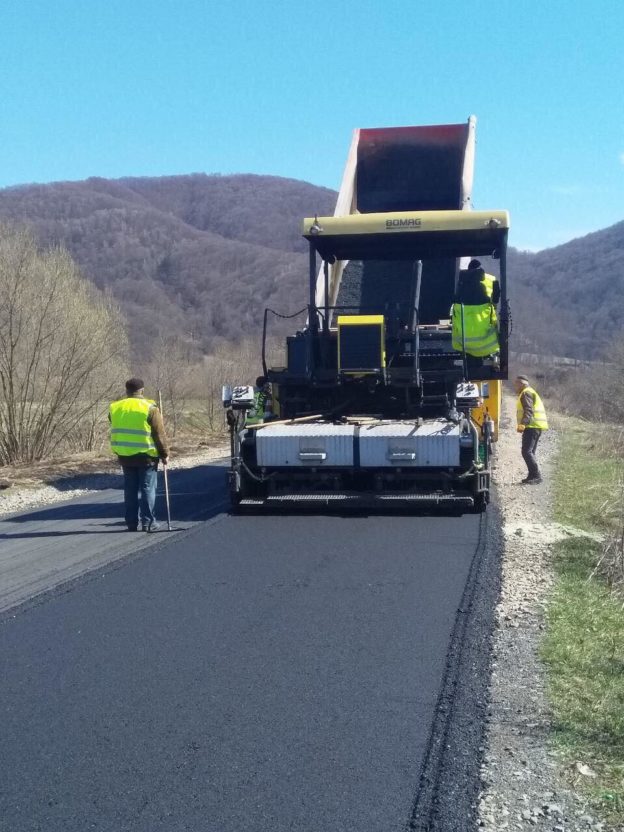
x,y
160,407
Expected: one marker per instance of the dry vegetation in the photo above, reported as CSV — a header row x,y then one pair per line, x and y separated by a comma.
x,y
594,393
64,355
584,643
62,349
610,564
191,385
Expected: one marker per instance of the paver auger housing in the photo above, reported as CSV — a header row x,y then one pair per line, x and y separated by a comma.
x,y
375,406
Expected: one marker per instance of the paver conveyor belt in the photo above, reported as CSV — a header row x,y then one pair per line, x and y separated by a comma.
x,y
403,169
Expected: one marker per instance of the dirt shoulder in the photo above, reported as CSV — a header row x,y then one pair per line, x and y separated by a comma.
x,y
522,783
51,481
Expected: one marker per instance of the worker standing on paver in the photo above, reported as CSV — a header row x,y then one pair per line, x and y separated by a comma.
x,y
137,437
473,314
531,421
488,281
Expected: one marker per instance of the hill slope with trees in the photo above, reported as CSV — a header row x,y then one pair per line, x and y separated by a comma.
x,y
198,257
194,256
570,299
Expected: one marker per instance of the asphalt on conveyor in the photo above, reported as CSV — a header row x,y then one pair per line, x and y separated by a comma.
x,y
259,673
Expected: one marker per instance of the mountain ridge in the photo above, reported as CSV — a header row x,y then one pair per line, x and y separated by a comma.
x,y
201,255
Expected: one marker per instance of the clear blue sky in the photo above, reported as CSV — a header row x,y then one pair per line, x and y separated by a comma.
x,y
110,88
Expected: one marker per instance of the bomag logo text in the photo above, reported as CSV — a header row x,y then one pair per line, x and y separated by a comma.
x,y
406,223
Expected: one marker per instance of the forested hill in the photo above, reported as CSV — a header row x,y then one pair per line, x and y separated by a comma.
x,y
200,256
570,299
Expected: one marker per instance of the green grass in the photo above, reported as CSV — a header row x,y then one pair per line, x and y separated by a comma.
x,y
584,644
586,474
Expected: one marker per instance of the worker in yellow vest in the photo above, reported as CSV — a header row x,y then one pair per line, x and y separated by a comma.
x,y
531,422
137,437
262,402
474,319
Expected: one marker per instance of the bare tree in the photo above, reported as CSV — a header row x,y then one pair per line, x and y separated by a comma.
x,y
173,370
236,364
62,347
227,364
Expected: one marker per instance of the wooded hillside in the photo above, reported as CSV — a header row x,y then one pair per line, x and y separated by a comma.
x,y
196,256
570,299
199,257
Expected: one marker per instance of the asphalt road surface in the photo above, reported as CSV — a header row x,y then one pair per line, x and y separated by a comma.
x,y
261,673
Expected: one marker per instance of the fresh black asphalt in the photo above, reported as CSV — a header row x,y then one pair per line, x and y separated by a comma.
x,y
51,545
259,673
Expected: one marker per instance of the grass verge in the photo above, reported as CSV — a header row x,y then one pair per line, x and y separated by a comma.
x,y
584,644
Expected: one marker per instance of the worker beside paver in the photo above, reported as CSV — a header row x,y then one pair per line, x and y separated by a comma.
x,y
474,312
531,421
262,399
137,437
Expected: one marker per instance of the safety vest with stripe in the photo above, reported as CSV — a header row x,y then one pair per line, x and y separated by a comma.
x,y
538,419
488,281
479,330
256,414
130,432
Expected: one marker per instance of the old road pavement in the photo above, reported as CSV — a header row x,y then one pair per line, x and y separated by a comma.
x,y
319,673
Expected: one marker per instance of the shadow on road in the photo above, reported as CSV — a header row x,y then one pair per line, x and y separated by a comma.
x,y
97,481
71,533
195,494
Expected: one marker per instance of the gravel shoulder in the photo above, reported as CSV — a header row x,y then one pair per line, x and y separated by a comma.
x,y
522,783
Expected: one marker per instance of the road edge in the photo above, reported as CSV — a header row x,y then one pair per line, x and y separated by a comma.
x,y
450,781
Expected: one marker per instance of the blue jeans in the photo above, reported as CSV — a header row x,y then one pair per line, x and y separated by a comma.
x,y
139,482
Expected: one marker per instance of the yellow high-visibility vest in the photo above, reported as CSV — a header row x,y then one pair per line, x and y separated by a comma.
x,y
130,432
481,335
539,420
256,414
488,281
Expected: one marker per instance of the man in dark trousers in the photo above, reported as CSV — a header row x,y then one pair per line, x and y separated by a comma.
x,y
137,437
531,421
